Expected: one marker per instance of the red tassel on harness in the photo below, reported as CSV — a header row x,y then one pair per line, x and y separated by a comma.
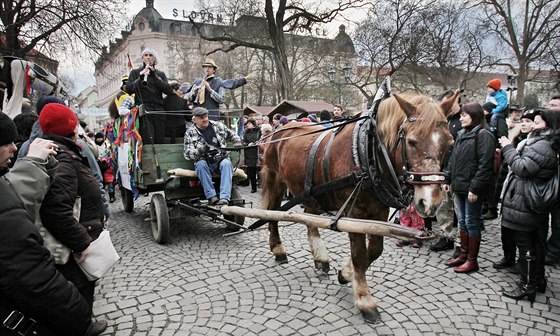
x,y
27,81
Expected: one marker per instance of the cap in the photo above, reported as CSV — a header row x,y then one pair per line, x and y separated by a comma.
x,y
529,114
58,119
210,62
8,130
495,84
199,111
515,107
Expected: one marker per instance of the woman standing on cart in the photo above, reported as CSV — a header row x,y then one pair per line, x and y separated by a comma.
x,y
251,136
149,85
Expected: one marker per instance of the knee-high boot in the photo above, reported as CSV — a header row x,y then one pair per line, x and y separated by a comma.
x,y
462,258
471,264
526,287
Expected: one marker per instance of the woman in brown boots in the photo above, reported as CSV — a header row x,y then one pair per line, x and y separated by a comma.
x,y
470,171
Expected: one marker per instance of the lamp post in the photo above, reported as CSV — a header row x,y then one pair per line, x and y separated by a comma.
x,y
339,84
512,86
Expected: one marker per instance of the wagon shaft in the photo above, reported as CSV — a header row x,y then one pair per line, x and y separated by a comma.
x,y
345,224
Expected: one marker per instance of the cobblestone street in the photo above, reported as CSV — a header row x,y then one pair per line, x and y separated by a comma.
x,y
202,283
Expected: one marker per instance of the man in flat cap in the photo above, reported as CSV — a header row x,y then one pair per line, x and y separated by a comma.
x,y
203,140
210,91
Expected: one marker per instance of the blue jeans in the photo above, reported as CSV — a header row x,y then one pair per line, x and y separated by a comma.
x,y
553,246
469,215
204,172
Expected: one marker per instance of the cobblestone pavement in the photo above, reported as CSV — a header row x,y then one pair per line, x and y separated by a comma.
x,y
202,283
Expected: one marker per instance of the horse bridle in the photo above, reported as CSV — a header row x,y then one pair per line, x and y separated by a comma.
x,y
416,178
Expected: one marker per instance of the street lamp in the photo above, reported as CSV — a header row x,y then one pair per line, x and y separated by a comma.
x,y
334,80
512,86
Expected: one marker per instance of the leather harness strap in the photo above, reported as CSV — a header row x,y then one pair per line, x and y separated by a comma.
x,y
310,167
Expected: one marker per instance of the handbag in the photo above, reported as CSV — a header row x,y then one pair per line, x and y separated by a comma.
x,y
101,258
60,252
543,196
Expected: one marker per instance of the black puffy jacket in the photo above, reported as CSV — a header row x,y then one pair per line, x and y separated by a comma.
x,y
470,169
29,281
536,159
73,179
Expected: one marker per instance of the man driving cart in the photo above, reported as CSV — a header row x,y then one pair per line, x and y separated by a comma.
x,y
203,140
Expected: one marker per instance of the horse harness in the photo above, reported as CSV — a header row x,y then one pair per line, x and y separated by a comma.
x,y
373,170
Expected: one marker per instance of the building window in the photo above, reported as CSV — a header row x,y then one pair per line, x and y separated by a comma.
x,y
141,26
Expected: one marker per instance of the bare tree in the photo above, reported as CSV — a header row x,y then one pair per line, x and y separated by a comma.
x,y
57,26
280,17
387,39
527,31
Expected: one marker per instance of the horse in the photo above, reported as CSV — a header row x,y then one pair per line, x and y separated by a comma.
x,y
411,127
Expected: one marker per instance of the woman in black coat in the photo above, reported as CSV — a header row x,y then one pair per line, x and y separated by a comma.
x,y
534,159
74,182
251,136
470,171
30,285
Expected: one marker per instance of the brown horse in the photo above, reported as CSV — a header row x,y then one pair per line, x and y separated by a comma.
x,y
425,137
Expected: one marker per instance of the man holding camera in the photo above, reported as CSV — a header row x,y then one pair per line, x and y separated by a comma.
x,y
203,140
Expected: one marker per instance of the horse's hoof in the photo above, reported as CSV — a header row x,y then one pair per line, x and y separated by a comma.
x,y
371,316
341,279
322,266
281,258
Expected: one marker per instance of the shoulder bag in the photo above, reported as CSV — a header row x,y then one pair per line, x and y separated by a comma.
x,y
101,258
542,197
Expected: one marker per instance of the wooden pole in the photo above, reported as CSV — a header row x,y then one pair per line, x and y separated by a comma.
x,y
345,224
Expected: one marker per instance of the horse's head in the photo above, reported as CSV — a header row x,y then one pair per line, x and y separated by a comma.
x,y
422,141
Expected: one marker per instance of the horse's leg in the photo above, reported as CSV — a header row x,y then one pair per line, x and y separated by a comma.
x,y
346,273
363,299
272,199
317,246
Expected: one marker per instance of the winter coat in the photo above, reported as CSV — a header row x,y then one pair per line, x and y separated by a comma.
x,y
500,99
73,179
536,159
470,169
251,154
151,94
29,281
178,105
194,140
217,96
85,150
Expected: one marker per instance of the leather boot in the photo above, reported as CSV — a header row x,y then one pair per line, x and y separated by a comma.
x,y
526,287
506,262
462,258
492,213
471,264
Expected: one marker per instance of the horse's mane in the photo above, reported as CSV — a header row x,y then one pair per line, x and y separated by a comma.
x,y
391,117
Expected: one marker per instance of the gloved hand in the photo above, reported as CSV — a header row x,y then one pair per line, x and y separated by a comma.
x,y
202,148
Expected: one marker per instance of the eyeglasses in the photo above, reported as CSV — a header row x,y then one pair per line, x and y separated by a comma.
x,y
148,55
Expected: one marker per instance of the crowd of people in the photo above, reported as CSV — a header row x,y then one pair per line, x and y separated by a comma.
x,y
61,177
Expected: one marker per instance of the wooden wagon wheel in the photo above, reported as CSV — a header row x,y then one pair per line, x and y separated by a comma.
x,y
159,217
127,200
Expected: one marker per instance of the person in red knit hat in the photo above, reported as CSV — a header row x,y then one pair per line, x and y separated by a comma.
x,y
499,98
73,184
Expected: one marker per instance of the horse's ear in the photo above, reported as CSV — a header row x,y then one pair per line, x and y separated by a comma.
x,y
407,107
447,104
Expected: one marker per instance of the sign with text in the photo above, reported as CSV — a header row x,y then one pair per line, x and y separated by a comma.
x,y
198,16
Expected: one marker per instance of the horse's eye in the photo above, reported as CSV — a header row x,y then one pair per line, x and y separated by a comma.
x,y
411,142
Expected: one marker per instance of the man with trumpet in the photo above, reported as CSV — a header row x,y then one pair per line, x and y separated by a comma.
x,y
209,91
149,84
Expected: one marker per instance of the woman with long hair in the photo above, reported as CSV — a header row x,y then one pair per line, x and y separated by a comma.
x,y
534,159
470,171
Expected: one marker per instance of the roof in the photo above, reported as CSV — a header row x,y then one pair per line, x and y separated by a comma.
x,y
264,110
302,108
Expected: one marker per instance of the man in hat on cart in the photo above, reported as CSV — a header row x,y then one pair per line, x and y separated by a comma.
x,y
203,140
209,91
